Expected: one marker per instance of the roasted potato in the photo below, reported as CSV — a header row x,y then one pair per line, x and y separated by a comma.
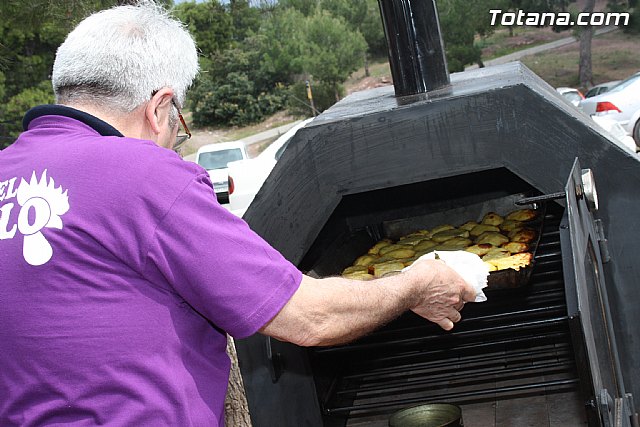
x,y
425,245
468,225
381,244
440,228
481,228
523,235
443,236
493,238
522,215
400,253
365,260
516,247
492,218
355,269
515,262
479,249
381,269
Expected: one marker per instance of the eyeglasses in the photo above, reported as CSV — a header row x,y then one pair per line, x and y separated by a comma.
x,y
180,139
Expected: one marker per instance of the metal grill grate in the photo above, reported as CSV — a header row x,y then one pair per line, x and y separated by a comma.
x,y
515,344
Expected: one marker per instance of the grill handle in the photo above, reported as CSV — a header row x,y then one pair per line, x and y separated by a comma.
x,y
543,198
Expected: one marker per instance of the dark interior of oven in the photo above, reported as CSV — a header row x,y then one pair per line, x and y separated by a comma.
x,y
510,360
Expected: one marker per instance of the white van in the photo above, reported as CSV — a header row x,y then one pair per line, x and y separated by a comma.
x,y
214,158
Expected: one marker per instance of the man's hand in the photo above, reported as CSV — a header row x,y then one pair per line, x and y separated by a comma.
x,y
440,292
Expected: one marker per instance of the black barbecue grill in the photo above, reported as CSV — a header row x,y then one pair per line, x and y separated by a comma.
x,y
561,350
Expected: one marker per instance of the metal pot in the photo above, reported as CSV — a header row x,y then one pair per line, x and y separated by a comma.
x,y
429,415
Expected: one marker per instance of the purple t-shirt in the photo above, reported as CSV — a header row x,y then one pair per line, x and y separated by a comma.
x,y
119,276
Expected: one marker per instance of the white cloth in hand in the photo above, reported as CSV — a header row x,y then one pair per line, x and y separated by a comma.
x,y
470,266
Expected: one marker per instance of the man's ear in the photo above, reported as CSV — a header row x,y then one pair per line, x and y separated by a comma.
x,y
158,109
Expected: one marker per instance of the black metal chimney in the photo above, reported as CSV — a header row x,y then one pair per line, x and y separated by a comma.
x,y
416,51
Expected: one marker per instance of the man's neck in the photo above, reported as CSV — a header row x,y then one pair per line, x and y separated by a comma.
x,y
130,125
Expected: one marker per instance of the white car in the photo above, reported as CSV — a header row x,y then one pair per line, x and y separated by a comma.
x,y
214,158
620,136
247,176
621,103
572,95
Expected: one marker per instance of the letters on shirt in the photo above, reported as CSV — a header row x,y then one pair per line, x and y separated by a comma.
x,y
29,208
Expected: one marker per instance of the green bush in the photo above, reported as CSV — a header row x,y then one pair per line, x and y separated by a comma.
x,y
232,102
17,105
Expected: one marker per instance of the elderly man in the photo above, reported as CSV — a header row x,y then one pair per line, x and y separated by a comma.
x,y
121,274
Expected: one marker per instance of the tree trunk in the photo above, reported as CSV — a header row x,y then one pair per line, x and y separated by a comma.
x,y
584,68
236,408
366,65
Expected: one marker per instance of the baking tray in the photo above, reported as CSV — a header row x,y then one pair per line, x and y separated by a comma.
x,y
501,279
510,278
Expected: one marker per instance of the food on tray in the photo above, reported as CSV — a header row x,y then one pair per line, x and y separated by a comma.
x,y
440,228
522,215
495,253
425,245
411,240
381,269
490,266
510,224
515,262
390,248
523,235
443,236
492,218
469,225
365,260
502,243
381,244
516,247
493,238
481,228
479,249
400,253
355,269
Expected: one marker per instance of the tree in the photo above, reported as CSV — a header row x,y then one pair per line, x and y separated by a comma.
x,y
209,24
461,21
283,45
333,50
245,19
586,35
362,16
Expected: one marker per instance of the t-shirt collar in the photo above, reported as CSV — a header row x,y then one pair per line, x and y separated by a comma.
x,y
100,126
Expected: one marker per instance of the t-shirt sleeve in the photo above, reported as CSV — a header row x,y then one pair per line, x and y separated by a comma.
x,y
218,265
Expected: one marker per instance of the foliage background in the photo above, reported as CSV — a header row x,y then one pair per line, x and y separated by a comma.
x,y
256,57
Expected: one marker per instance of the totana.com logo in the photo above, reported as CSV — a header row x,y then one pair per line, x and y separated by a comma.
x,y
564,19
39,205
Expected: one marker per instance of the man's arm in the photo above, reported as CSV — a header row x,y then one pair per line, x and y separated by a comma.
x,y
337,310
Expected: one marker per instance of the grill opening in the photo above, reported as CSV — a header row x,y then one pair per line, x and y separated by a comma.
x,y
510,357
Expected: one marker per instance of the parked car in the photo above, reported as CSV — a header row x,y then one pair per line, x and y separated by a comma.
x,y
621,103
572,95
247,176
620,137
601,88
214,158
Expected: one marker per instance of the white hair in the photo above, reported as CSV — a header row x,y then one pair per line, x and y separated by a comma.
x,y
116,58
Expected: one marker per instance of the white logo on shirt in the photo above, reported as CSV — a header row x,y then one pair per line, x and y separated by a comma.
x,y
41,205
